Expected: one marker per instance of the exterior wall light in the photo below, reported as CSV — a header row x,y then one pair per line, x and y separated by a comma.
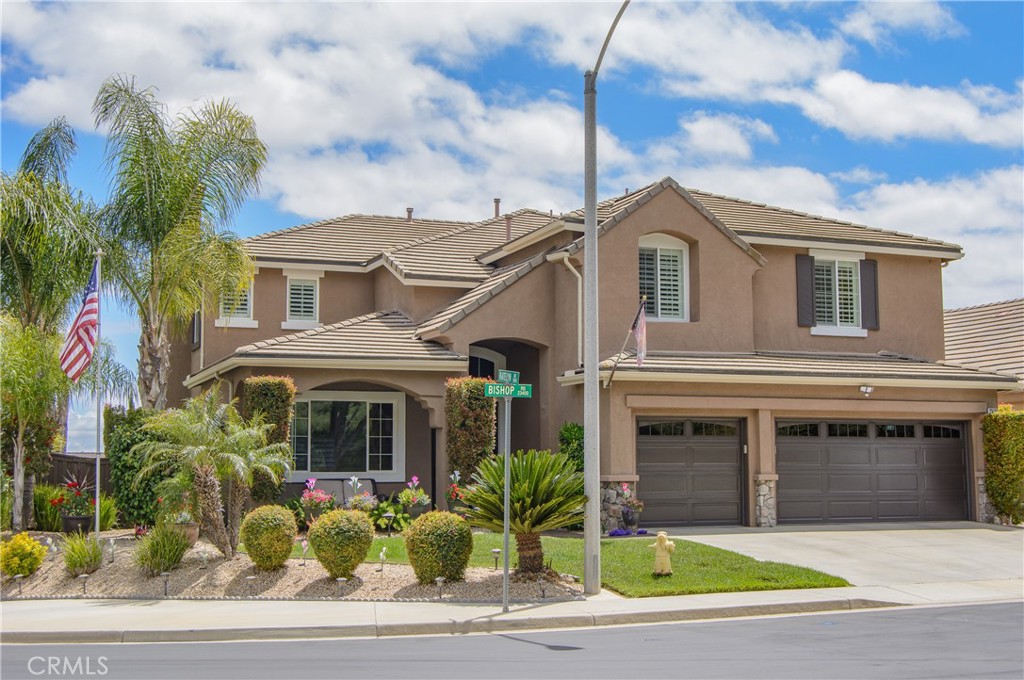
x,y
866,390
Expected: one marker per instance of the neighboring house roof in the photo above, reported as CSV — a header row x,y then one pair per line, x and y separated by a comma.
x,y
987,337
352,240
465,305
882,369
382,340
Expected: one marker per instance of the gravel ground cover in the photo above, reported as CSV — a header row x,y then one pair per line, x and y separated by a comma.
x,y
205,573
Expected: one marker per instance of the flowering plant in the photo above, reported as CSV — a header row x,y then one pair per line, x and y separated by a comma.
x,y
413,494
316,501
455,492
363,501
75,499
629,501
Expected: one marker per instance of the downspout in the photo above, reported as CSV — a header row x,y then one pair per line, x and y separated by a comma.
x,y
579,307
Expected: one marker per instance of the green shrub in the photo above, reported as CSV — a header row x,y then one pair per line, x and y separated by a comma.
x,y
136,499
295,506
268,533
570,442
21,555
471,420
161,549
108,512
341,539
6,498
1004,461
274,397
380,522
82,554
47,515
439,544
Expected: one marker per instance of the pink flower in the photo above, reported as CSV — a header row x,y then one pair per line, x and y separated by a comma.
x,y
310,483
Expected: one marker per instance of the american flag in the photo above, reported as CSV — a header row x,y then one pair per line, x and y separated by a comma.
x,y
76,354
640,332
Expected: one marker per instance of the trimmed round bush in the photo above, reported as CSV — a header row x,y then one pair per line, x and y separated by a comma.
x,y
341,539
439,544
21,555
268,533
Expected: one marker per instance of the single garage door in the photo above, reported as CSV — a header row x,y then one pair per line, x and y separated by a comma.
x,y
871,471
690,471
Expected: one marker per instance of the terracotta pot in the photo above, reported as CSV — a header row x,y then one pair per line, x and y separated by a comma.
x,y
70,524
191,531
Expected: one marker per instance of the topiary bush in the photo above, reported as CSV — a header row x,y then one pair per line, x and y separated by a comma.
x,y
341,539
274,397
570,442
268,533
439,544
21,555
1004,461
135,498
162,549
82,554
471,419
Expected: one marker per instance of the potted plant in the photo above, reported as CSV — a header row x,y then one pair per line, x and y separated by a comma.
x,y
631,508
414,499
178,505
76,506
455,493
315,501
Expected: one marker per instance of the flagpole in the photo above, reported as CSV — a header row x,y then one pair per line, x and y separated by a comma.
x,y
99,392
632,329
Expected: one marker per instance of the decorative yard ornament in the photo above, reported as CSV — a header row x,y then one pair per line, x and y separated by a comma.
x,y
663,549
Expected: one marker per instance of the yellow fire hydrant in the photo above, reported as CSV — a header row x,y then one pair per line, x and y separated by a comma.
x,y
663,549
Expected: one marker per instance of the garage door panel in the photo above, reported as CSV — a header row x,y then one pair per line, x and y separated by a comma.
x,y
716,484
716,513
713,456
838,456
873,478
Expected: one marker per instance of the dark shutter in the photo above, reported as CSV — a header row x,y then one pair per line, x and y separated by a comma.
x,y
869,294
804,291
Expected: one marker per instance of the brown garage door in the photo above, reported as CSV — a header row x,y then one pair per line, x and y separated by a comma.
x,y
690,471
871,471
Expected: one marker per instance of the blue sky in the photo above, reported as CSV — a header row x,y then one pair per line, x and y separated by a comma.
x,y
903,116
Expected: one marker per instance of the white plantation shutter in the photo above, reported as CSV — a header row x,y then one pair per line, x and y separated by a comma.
x,y
670,284
824,293
848,294
236,305
301,300
649,279
837,293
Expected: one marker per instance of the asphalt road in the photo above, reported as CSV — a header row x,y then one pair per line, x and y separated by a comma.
x,y
980,641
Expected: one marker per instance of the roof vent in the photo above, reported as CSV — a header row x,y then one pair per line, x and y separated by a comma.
x,y
497,207
508,228
408,214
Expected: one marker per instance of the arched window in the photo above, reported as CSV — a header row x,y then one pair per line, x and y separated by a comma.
x,y
664,277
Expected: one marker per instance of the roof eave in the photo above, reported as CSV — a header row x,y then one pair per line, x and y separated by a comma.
x,y
239,361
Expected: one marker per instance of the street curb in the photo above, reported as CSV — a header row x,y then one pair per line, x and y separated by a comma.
x,y
490,624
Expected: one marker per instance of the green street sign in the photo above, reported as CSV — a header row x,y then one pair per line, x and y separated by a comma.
x,y
508,376
501,390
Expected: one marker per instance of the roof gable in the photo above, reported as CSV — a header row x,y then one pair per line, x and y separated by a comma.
x,y
987,337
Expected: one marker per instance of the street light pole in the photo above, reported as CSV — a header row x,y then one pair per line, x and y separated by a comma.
x,y
591,386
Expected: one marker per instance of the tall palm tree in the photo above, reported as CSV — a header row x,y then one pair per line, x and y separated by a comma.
x,y
176,184
211,444
545,493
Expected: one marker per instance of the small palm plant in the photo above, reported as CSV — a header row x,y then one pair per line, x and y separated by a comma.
x,y
209,443
546,492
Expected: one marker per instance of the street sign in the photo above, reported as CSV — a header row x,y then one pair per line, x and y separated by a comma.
x,y
499,390
508,376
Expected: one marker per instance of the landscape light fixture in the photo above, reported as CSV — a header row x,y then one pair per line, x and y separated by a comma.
x,y
497,553
17,579
84,578
390,517
251,580
111,544
440,586
167,578
341,581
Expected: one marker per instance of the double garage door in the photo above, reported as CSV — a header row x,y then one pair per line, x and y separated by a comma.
x,y
692,472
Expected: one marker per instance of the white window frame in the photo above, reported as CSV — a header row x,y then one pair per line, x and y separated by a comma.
x,y
397,401
303,275
657,243
837,328
235,319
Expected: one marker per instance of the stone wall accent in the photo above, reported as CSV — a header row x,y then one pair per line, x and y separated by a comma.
x,y
611,504
765,511
986,511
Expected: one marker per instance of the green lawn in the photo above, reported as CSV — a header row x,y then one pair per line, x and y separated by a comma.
x,y
626,565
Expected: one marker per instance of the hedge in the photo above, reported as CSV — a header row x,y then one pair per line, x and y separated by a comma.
x,y
1004,461
122,431
471,421
274,397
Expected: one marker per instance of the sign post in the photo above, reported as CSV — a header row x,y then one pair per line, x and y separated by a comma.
x,y
507,389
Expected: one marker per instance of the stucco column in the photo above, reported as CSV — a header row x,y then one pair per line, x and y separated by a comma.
x,y
762,462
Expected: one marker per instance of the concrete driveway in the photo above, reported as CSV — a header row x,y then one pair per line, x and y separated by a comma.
x,y
882,554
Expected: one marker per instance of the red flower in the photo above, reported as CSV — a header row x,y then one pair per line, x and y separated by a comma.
x,y
78,493
92,501
160,499
72,485
55,501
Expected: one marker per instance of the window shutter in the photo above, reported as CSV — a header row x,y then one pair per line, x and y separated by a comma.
x,y
649,280
805,291
670,272
302,300
235,305
869,294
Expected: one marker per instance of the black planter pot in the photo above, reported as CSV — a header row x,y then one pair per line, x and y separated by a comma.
x,y
416,510
70,524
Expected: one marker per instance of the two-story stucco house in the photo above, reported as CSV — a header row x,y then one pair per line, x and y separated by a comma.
x,y
794,370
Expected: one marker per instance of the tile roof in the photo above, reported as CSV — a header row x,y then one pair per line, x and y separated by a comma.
x,y
807,367
471,301
987,337
372,337
352,239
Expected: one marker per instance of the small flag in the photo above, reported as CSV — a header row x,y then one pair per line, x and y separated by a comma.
x,y
76,354
639,330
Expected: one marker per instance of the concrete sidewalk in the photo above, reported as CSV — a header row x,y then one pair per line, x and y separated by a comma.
x,y
890,565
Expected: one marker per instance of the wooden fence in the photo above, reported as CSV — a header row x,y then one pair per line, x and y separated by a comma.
x,y
79,465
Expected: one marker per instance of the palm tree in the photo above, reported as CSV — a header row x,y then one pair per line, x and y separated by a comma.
x,y
212,445
545,493
176,183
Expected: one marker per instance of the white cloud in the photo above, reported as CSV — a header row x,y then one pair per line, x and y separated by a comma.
x,y
858,175
714,135
874,22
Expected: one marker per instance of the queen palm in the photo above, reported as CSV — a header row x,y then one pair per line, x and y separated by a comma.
x,y
217,450
176,184
545,493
